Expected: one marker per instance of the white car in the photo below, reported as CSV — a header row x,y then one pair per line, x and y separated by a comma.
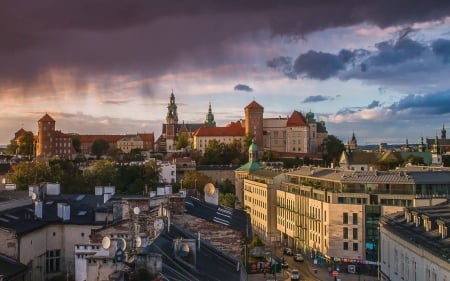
x,y
295,275
298,257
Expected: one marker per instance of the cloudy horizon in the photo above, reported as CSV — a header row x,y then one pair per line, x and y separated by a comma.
x,y
379,69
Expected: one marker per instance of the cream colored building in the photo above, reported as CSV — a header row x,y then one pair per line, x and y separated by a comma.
x,y
128,143
232,133
259,201
333,214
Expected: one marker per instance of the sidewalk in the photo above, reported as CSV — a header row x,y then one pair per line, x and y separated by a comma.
x,y
322,274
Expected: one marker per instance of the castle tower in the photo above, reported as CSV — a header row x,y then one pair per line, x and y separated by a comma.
x,y
171,122
254,122
209,120
46,130
421,145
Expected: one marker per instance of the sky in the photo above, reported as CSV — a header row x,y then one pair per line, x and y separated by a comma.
x,y
380,69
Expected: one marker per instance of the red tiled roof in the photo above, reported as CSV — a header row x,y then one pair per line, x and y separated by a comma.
x,y
232,129
46,118
114,138
296,119
254,105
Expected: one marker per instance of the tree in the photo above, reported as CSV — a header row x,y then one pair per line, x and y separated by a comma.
x,y
28,173
195,179
182,141
100,147
102,173
227,199
332,149
76,142
25,143
12,147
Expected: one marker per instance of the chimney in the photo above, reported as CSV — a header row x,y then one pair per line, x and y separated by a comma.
x,y
38,209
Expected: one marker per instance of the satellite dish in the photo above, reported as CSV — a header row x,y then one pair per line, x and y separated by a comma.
x,y
121,244
137,241
159,225
210,189
33,196
106,242
136,210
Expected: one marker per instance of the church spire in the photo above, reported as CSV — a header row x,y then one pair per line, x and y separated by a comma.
x,y
209,120
443,133
172,115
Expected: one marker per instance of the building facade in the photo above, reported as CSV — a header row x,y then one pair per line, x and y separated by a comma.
x,y
50,142
415,244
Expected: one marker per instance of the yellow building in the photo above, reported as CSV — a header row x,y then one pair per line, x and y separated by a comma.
x,y
128,143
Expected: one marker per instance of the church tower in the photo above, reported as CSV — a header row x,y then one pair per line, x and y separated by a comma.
x,y
46,130
443,133
254,122
209,120
171,122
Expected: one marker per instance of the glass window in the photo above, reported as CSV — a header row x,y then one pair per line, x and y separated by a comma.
x,y
355,246
355,218
355,233
345,218
345,245
345,233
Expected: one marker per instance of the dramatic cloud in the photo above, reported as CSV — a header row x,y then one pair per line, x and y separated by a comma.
x,y
441,48
373,104
432,104
317,98
396,63
318,65
242,87
102,38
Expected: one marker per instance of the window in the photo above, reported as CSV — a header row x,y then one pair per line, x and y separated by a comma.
x,y
355,218
355,233
53,261
355,246
345,218
345,245
345,233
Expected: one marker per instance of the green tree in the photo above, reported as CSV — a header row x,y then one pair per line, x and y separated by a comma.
x,y
76,142
182,141
100,147
195,179
26,143
102,173
28,173
227,199
12,147
332,149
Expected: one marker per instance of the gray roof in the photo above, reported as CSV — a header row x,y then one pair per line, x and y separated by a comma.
x,y
23,220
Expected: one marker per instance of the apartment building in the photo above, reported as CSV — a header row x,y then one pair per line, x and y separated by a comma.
x,y
415,244
333,214
260,189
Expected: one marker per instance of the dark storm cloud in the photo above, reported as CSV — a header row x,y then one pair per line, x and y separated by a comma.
x,y
108,37
242,87
317,98
374,104
433,104
318,65
283,65
441,48
393,59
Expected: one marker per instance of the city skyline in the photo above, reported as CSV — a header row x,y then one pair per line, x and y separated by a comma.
x,y
378,69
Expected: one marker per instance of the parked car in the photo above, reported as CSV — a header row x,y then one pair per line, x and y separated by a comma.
x,y
284,264
288,251
298,257
295,275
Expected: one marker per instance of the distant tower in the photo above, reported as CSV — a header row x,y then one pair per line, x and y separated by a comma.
x,y
46,131
253,152
352,144
443,133
209,120
254,122
171,122
421,145
435,148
